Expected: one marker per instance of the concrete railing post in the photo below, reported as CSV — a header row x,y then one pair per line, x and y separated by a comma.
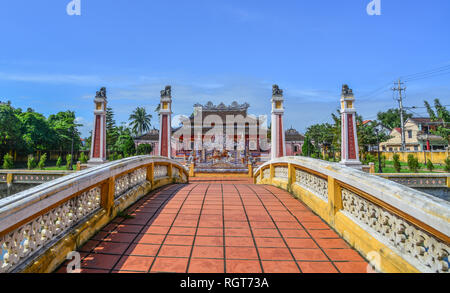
x,y
107,194
334,198
151,174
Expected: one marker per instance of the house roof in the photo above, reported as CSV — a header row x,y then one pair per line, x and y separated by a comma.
x,y
293,135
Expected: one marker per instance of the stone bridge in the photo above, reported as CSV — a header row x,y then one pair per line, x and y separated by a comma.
x,y
144,214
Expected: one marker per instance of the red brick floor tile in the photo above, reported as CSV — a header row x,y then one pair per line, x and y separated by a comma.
x,y
243,266
323,234
317,267
240,253
265,232
343,255
169,265
274,253
185,223
315,225
277,267
210,223
111,248
262,225
300,243
294,233
206,266
88,246
179,240
100,235
128,228
207,252
134,263
239,241
156,230
99,261
332,243
309,254
245,232
353,267
236,224
120,237
149,239
269,242
175,251
143,250
182,231
289,225
209,240
210,232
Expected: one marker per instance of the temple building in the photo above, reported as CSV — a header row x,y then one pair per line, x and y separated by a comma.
x,y
226,129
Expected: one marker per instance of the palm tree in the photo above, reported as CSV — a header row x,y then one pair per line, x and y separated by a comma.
x,y
140,121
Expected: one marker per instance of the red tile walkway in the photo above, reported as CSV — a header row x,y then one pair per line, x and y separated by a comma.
x,y
219,225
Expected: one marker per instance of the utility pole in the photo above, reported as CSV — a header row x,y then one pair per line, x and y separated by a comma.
x,y
400,104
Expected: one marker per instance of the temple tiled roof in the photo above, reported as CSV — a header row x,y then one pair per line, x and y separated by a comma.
x,y
293,135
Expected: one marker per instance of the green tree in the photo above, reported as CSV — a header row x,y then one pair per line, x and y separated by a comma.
x,y
125,143
308,147
37,134
111,129
140,121
8,162
442,117
59,162
31,163
447,164
391,118
397,165
83,158
68,162
11,131
65,127
41,164
430,166
413,163
144,149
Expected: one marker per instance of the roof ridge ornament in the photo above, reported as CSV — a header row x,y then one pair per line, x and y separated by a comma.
x,y
101,94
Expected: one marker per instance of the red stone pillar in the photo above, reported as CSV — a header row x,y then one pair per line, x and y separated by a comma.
x,y
278,145
349,138
165,131
98,143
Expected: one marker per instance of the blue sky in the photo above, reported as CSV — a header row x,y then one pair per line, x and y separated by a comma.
x,y
221,50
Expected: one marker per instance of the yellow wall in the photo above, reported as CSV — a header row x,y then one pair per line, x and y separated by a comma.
x,y
435,157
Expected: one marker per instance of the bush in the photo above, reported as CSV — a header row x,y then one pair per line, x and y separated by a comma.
x,y
413,163
430,166
144,149
31,163
68,162
397,165
83,158
59,162
8,162
119,157
369,159
447,164
41,164
383,161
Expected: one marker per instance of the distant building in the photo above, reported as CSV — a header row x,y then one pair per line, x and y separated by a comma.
x,y
418,137
294,140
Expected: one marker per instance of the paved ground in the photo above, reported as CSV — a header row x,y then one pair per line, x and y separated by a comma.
x,y
219,225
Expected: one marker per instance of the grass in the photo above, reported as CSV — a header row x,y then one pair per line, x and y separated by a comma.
x,y
422,168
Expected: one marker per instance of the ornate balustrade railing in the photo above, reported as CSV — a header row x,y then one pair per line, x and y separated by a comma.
x,y
30,176
419,180
39,226
397,228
